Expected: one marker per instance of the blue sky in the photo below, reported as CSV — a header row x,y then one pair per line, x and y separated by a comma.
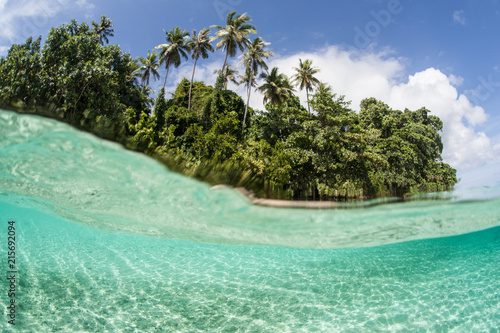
x,y
444,55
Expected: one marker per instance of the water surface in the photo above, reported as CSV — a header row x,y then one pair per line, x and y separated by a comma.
x,y
109,240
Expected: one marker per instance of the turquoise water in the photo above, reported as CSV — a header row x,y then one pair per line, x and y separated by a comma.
x,y
110,241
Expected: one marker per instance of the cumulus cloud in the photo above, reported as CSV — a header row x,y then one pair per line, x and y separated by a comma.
x,y
459,17
23,18
85,4
12,12
204,72
464,147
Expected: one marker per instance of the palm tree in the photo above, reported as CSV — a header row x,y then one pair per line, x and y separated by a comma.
x,y
103,29
149,66
172,51
253,61
305,78
276,88
249,80
200,45
255,52
324,89
146,92
234,35
229,73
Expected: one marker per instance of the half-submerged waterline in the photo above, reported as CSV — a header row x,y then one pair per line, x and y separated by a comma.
x,y
85,211
54,168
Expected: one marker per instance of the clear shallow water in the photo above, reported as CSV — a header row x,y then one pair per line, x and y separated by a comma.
x,y
85,211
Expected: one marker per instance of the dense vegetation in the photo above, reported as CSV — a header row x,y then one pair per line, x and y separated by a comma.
x,y
287,151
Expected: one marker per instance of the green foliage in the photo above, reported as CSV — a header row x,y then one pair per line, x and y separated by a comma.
x,y
283,152
199,44
411,144
20,78
159,110
103,29
175,48
276,87
234,35
253,62
148,66
304,78
73,73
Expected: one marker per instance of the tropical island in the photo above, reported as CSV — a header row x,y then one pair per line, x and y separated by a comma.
x,y
321,151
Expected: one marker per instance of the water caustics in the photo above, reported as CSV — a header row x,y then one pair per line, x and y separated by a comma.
x,y
58,169
109,240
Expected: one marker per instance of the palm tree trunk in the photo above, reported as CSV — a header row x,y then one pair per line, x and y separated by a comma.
x,y
246,108
165,81
308,107
224,65
191,85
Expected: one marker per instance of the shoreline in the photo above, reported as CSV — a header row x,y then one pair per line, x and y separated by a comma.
x,y
303,204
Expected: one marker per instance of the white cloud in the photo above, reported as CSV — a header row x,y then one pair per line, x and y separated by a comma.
x,y
318,35
204,72
3,50
459,17
457,81
23,18
84,4
13,12
464,147
362,72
